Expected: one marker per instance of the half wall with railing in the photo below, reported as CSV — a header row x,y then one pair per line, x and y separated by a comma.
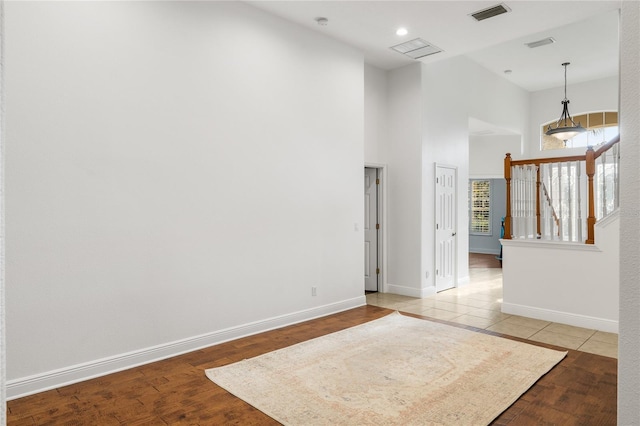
x,y
561,198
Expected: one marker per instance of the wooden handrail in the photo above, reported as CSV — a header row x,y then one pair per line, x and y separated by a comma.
x,y
538,161
605,147
590,165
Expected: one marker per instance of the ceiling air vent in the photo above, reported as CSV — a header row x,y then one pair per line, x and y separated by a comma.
x,y
490,12
543,42
417,48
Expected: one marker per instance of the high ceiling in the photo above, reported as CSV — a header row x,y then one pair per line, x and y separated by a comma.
x,y
586,34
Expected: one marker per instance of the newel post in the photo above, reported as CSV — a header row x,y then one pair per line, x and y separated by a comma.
x,y
507,177
538,183
591,171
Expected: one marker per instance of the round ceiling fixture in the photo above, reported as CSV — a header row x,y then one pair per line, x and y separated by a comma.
x,y
402,31
322,21
565,128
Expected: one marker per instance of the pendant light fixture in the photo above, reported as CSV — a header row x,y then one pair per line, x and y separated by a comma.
x,y
565,128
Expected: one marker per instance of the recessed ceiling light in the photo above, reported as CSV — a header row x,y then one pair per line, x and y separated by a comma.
x,y
508,71
322,21
402,31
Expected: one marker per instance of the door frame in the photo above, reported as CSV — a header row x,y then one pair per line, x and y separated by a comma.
x,y
455,218
382,220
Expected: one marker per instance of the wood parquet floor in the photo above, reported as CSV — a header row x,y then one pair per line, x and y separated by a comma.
x,y
580,390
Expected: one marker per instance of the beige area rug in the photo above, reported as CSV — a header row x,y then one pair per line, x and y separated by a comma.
x,y
396,370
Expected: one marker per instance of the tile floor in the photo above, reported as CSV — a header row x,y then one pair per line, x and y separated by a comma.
x,y
478,304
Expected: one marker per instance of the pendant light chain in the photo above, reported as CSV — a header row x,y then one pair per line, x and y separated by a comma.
x,y
565,80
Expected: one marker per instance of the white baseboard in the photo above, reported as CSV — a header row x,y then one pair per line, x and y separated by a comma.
x,y
411,291
576,320
24,386
403,291
427,291
463,281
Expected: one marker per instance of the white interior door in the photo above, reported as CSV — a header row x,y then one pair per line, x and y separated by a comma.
x,y
370,229
445,227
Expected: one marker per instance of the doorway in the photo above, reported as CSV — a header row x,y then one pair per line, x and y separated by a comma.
x,y
372,235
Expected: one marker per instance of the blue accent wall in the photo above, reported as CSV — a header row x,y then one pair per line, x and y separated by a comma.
x,y
491,243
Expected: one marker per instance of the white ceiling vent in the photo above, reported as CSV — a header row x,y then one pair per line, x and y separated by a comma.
x,y
416,48
543,42
490,12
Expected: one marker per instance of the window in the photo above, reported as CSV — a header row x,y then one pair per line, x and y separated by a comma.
x,y
601,127
480,207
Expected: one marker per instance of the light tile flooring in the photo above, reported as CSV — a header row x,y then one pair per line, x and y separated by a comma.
x,y
479,305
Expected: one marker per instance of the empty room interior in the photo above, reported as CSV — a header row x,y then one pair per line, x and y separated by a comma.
x,y
182,190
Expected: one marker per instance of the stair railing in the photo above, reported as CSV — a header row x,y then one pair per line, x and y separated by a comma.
x,y
558,180
548,211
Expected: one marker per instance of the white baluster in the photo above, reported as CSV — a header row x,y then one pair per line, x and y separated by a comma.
x,y
560,215
579,195
570,173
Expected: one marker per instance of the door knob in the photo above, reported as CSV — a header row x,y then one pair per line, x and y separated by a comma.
x,y
454,234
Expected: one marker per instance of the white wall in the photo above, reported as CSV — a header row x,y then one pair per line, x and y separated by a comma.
x,y
591,96
629,341
454,90
404,152
375,115
3,352
486,154
427,113
175,172
376,136
575,284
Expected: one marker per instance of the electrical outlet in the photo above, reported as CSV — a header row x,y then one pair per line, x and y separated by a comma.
x,y
314,291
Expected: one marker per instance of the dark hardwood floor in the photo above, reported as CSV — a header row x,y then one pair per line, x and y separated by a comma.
x,y
580,390
478,260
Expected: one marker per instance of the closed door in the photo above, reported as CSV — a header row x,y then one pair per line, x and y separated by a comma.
x,y
445,227
370,229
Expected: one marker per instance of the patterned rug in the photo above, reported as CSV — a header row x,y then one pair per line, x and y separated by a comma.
x,y
396,370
